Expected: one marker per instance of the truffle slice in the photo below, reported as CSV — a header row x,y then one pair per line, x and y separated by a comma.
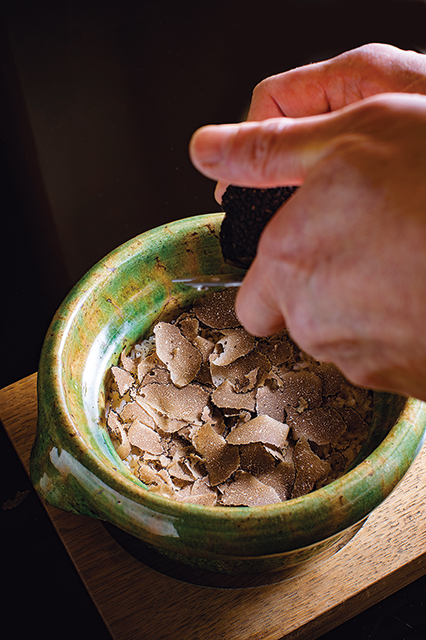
x,y
321,425
247,491
353,420
280,478
220,458
133,411
331,378
123,379
150,363
255,459
117,430
246,213
186,403
182,359
310,469
189,326
162,422
217,309
269,402
234,344
144,438
127,363
261,429
278,349
147,474
302,384
200,492
239,372
225,397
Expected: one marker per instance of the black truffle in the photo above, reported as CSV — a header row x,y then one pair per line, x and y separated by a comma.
x,y
247,212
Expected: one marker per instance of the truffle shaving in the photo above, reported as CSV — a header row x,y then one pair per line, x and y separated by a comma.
x,y
217,310
220,458
225,396
123,379
234,344
321,425
145,438
248,491
309,468
302,384
261,429
186,403
182,359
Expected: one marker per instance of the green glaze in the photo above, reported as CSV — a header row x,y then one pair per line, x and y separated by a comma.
x,y
75,467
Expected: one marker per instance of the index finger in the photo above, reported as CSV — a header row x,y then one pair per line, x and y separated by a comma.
x,y
281,151
265,154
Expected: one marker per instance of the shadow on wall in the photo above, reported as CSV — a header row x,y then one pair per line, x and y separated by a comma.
x,y
99,101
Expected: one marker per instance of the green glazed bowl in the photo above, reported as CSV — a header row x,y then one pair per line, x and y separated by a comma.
x,y
75,467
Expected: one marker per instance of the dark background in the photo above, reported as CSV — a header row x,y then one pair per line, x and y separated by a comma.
x,y
98,100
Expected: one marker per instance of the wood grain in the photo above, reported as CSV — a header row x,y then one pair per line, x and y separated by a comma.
x,y
139,602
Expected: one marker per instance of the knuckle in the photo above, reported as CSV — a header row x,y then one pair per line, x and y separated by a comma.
x,y
262,88
263,150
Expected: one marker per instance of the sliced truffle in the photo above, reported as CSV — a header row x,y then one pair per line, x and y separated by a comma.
x,y
123,379
179,471
278,349
186,403
331,377
188,325
162,421
321,425
220,458
247,491
147,474
255,459
182,359
225,397
161,375
221,417
148,364
217,309
205,347
260,429
269,402
353,420
117,430
234,344
280,478
302,384
310,469
238,372
202,493
144,438
247,211
133,411
127,363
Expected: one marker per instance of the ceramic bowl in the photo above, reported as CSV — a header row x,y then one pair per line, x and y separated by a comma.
x,y
75,467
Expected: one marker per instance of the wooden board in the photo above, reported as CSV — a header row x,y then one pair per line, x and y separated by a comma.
x,y
138,601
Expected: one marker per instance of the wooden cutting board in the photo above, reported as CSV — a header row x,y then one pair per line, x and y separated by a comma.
x,y
141,595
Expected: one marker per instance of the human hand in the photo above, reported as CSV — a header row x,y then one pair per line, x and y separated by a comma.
x,y
343,262
332,84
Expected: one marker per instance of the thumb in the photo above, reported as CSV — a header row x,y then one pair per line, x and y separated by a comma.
x,y
264,154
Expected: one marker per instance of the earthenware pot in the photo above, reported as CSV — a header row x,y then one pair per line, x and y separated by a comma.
x,y
75,467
